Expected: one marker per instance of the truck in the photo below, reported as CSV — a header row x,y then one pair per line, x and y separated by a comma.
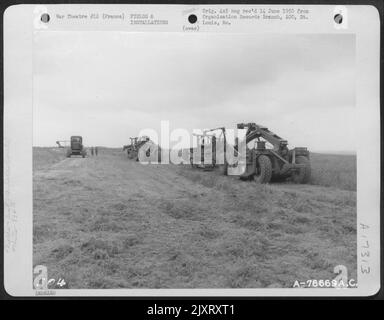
x,y
76,147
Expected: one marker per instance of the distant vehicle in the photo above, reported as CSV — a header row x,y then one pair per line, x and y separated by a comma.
x,y
62,143
76,148
136,144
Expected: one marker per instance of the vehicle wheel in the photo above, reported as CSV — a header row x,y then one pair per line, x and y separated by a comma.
x,y
304,174
264,170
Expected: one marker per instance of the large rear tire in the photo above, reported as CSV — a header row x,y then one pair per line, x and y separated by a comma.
x,y
264,170
304,174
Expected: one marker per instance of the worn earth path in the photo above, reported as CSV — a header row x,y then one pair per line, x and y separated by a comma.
x,y
110,222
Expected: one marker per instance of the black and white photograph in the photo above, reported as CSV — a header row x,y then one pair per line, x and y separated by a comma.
x,y
102,219
196,160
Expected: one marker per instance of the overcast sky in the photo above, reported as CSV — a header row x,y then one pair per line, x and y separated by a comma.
x,y
107,86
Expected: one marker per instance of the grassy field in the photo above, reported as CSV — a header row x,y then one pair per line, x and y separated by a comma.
x,y
331,170
108,222
45,157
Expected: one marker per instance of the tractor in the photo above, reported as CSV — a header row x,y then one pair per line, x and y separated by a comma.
x,y
76,147
262,163
277,163
133,148
137,143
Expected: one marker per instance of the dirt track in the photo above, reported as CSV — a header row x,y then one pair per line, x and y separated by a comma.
x,y
108,222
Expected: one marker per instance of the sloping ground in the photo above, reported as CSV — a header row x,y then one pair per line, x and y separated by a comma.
x,y
44,157
108,222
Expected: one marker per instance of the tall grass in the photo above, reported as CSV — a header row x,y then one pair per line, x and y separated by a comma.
x,y
44,157
327,170
334,171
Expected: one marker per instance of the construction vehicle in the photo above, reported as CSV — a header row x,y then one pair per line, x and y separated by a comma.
x,y
133,148
62,143
207,143
130,147
264,164
76,147
199,159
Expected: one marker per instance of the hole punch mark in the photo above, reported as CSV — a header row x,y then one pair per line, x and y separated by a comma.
x,y
192,18
45,17
338,18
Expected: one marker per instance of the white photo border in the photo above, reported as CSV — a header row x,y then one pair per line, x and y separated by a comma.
x,y
20,24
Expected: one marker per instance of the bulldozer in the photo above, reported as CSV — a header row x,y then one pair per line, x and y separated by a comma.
x,y
263,163
76,147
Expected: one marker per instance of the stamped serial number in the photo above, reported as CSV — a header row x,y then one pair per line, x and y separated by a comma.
x,y
196,310
321,283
